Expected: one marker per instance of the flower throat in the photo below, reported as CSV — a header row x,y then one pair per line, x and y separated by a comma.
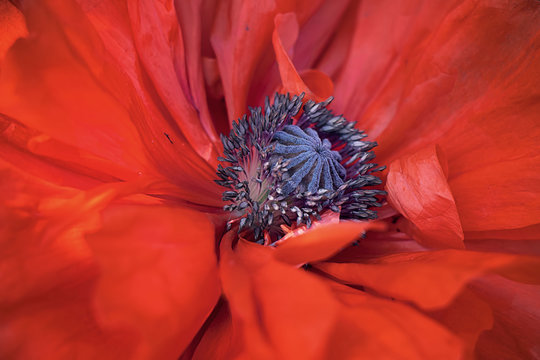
x,y
292,163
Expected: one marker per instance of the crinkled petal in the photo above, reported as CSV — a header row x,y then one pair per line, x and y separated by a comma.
x,y
218,340
159,41
315,34
46,88
91,48
448,66
431,279
387,36
418,189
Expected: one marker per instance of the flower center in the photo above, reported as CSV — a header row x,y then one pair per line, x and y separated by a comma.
x,y
288,167
311,164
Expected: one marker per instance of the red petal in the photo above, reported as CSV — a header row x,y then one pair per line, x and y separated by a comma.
x,y
372,328
159,42
241,30
240,38
46,88
282,311
218,339
287,313
92,46
48,273
386,37
12,26
321,241
517,319
493,174
338,49
430,279
286,25
314,36
467,316
417,188
158,275
448,66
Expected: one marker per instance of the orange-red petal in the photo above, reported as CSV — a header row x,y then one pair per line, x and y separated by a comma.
x,y
286,29
276,306
374,328
517,319
431,279
158,275
49,274
467,317
320,242
45,87
418,189
12,26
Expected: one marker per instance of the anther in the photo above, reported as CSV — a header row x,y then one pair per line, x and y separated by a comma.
x,y
290,163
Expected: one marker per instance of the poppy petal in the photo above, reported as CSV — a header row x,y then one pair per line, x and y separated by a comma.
x,y
159,42
373,328
418,189
49,273
12,26
386,37
36,75
449,69
242,30
274,304
430,279
158,275
314,35
467,317
286,28
100,41
320,242
503,143
517,319
217,341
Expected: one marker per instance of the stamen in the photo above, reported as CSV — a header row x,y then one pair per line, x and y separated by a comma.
x,y
287,169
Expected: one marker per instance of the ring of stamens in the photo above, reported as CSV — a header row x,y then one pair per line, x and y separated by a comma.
x,y
288,167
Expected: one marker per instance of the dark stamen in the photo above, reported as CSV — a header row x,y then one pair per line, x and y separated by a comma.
x,y
287,169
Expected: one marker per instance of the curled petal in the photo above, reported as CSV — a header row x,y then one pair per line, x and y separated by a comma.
x,y
418,189
292,82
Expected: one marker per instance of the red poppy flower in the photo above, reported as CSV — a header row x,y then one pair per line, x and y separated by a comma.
x,y
113,238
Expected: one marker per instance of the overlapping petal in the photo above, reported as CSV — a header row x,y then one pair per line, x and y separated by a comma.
x,y
516,316
48,273
430,279
272,307
109,121
286,29
109,294
418,189
321,242
159,278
